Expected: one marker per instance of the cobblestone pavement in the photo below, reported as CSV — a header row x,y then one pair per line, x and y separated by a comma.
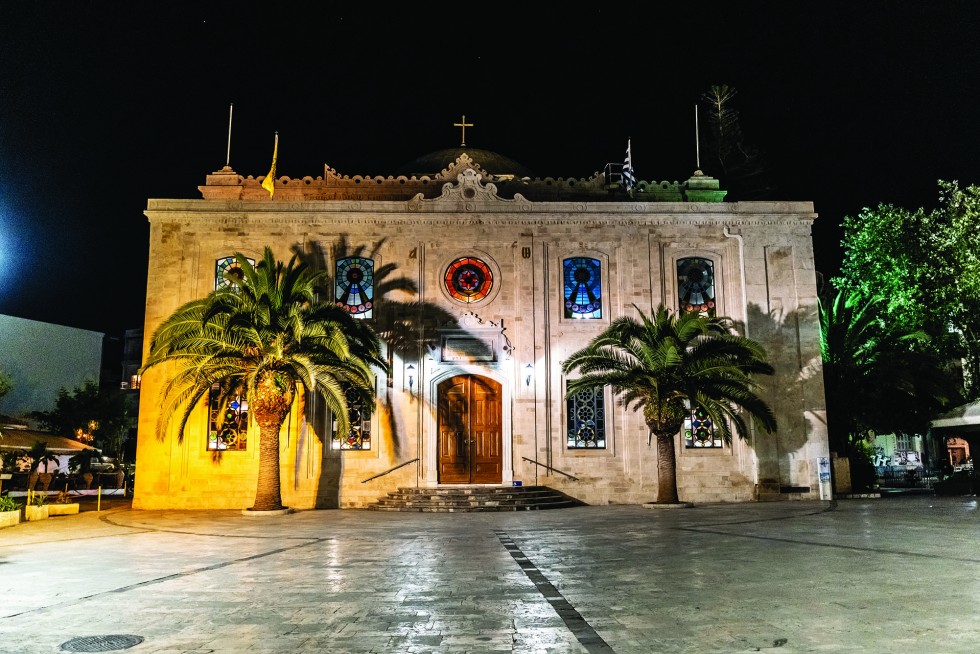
x,y
895,575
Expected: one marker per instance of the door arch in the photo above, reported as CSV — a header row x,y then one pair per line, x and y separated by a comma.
x,y
470,435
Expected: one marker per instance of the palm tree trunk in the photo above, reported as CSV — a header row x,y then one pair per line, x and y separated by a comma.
x,y
268,491
271,406
666,470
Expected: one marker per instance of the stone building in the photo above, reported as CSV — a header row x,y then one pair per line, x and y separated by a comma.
x,y
513,272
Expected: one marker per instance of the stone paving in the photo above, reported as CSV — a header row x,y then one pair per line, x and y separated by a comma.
x,y
891,575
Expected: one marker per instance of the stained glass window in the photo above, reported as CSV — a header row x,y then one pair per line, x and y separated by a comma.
x,y
359,435
586,419
227,269
699,431
227,430
696,285
583,288
355,286
468,279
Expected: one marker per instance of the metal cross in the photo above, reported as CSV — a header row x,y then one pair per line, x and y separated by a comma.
x,y
464,125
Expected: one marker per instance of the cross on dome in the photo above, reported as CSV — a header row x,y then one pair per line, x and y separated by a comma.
x,y
464,125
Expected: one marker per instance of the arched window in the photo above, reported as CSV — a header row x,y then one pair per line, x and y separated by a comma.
x,y
226,271
696,285
227,430
355,286
359,436
699,431
583,288
586,419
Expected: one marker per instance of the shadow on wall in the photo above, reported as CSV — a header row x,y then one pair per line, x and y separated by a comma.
x,y
795,391
409,330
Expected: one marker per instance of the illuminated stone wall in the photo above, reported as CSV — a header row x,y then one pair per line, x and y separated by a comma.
x,y
765,280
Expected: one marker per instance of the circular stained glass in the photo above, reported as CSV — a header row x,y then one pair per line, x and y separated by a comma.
x,y
586,434
228,272
696,285
582,288
586,413
355,285
468,279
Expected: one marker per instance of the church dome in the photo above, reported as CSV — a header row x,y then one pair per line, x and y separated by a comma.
x,y
490,162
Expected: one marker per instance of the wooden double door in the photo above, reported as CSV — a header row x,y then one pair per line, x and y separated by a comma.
x,y
470,435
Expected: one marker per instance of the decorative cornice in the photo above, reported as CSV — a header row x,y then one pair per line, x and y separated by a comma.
x,y
226,184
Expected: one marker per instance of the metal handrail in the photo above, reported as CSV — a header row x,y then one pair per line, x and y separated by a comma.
x,y
543,465
382,474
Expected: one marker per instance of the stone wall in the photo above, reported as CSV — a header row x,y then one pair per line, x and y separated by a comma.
x,y
763,261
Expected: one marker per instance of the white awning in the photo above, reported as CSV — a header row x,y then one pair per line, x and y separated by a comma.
x,y
965,417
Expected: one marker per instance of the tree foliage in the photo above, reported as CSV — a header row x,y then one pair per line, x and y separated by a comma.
x,y
664,364
926,266
107,415
40,455
264,338
878,377
6,384
727,154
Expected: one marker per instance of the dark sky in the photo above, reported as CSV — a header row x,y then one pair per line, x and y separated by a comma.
x,y
104,105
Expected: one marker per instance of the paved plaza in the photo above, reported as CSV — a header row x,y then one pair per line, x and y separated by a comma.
x,y
897,575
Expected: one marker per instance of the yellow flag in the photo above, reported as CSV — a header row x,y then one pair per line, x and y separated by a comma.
x,y
269,183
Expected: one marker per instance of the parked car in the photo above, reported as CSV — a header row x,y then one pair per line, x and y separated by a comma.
x,y
101,463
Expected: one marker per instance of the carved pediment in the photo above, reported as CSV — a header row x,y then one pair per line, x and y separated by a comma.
x,y
455,169
469,187
473,339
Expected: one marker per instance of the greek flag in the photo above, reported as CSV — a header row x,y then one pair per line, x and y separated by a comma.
x,y
629,177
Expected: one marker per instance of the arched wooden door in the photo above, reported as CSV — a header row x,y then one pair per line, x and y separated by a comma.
x,y
470,435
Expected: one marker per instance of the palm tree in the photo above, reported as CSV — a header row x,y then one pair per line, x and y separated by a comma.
x,y
879,378
263,338
666,364
39,454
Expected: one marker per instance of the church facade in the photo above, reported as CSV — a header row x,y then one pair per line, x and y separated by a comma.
x,y
484,279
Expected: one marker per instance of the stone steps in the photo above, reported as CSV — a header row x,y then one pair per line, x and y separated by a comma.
x,y
463,499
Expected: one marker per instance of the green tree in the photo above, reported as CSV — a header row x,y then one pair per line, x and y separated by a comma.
x,y
664,364
741,166
106,415
878,378
6,384
926,264
264,338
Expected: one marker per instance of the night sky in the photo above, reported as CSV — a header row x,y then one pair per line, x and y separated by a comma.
x,y
104,105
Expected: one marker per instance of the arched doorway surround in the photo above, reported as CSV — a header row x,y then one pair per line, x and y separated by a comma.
x,y
467,438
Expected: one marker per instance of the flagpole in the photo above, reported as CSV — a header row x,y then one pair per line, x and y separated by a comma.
x,y
228,155
697,139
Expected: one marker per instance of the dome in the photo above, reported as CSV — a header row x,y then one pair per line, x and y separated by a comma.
x,y
490,162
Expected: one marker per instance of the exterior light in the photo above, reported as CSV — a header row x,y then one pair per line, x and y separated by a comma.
x,y
528,374
410,373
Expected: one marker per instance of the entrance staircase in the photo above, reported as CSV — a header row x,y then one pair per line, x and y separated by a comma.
x,y
462,499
